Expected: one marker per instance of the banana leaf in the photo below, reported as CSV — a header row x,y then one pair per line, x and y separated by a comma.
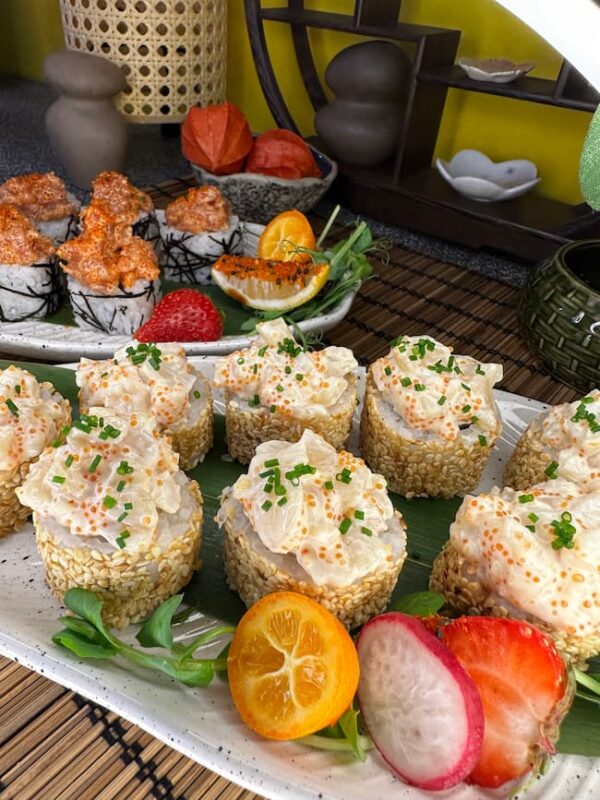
x,y
428,523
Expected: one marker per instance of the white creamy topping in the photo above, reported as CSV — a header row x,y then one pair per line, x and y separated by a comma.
x,y
109,480
30,418
153,379
275,371
433,390
326,508
571,433
510,536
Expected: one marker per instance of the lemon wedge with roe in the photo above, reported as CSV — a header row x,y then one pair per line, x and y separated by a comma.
x,y
267,285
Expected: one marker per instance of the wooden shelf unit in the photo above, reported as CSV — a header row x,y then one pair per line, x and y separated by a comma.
x,y
405,190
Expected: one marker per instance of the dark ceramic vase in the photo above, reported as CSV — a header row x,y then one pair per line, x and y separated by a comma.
x,y
559,312
363,123
85,129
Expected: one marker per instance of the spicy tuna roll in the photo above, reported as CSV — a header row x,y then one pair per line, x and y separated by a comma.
x,y
429,419
196,229
32,416
44,200
114,514
158,381
128,204
112,276
30,281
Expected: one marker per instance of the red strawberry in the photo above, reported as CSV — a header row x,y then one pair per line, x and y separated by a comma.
x,y
525,689
183,316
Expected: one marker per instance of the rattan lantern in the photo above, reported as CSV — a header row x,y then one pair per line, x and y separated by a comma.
x,y
173,52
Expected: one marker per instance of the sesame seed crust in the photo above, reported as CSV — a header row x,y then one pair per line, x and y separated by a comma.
x,y
12,513
193,441
412,467
132,584
252,576
246,429
528,460
454,576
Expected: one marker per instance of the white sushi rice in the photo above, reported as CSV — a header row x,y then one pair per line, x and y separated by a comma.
x,y
121,312
59,230
29,291
188,257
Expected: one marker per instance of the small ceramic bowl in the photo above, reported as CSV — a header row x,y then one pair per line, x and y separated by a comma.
x,y
262,197
494,70
474,175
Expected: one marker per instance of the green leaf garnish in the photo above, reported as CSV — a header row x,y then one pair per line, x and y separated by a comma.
x,y
419,604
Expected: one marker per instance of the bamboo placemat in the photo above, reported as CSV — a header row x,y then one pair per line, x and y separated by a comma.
x,y
56,745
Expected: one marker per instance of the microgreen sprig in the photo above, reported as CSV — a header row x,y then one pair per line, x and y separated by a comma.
x,y
86,635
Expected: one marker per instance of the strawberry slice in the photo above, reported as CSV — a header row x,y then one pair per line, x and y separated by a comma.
x,y
184,315
525,690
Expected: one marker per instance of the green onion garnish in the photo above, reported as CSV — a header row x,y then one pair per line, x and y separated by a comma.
x,y
120,486
18,388
58,479
279,387
345,526
420,387
288,369
359,514
479,371
406,381
109,502
94,463
128,506
122,516
550,470
124,469
254,401
263,350
282,501
442,400
482,440
388,370
466,387
272,462
273,409
121,538
69,460
563,532
299,377
526,498
241,361
328,485
266,505
289,347
533,517
345,476
465,409
366,531
12,407
197,394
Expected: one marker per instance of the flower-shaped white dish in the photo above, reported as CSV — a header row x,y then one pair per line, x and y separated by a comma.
x,y
494,70
474,175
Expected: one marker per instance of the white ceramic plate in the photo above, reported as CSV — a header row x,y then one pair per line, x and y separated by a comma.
x,y
202,723
38,340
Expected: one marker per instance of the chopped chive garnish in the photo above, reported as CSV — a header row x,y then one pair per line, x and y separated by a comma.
x,y
82,426
479,371
197,394
266,505
359,514
122,516
388,370
241,361
279,387
121,538
254,401
272,462
533,517
406,381
366,531
255,369
482,440
299,376
345,525
124,469
290,347
550,470
109,433
109,502
268,488
69,460
419,387
58,479
267,473
128,506
585,400
263,350
12,407
466,387
328,485
474,419
288,369
280,489
465,409
120,486
273,409
526,498
104,375
94,463
18,389
282,501
345,476
530,528
442,400
66,430
563,532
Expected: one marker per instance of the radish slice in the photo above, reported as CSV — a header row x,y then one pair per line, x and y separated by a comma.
x,y
421,708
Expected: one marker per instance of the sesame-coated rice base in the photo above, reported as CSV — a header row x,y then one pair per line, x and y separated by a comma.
x,y
132,584
12,513
455,577
193,441
247,429
252,576
419,466
528,461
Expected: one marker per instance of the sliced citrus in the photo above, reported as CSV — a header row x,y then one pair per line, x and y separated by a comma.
x,y
269,285
283,234
292,667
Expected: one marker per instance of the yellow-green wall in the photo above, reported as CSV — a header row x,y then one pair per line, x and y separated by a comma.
x,y
29,29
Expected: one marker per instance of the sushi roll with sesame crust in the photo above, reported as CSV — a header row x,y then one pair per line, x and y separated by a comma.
x,y
429,419
531,555
32,416
309,519
274,389
563,442
114,514
157,380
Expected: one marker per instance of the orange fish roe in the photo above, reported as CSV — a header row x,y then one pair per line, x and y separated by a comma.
x,y
123,199
293,272
20,242
38,196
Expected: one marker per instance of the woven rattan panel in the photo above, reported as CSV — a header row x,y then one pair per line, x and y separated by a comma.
x,y
55,745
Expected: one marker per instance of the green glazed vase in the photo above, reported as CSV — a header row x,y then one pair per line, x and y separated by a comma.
x,y
559,313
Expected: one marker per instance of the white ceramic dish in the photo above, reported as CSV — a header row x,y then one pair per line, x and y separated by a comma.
x,y
474,175
202,723
38,340
494,70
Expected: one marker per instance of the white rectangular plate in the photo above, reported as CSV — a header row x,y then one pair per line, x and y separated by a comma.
x,y
202,723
